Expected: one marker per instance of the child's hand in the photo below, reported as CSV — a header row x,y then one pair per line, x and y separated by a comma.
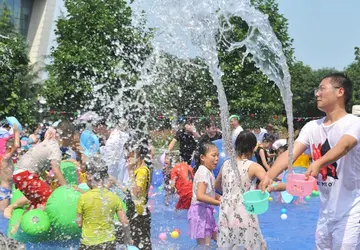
x,y
276,187
218,197
272,187
76,188
15,127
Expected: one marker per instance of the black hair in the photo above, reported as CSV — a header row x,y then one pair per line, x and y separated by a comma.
x,y
44,127
207,123
66,129
202,149
269,138
245,143
282,148
341,80
101,141
138,144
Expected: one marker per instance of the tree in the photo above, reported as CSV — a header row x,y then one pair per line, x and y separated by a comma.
x,y
99,53
353,71
249,92
182,88
18,88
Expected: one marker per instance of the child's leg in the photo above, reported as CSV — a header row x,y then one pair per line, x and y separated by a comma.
x,y
214,236
21,202
141,231
204,242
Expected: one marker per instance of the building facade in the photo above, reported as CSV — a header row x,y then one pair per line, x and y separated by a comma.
x,y
35,19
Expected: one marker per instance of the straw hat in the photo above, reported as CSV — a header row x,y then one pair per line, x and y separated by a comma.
x,y
356,110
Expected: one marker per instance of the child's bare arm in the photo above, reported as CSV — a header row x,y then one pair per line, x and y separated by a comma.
x,y
277,187
218,181
122,217
55,166
202,196
79,220
16,142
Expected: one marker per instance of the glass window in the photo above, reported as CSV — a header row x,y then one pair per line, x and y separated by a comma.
x,y
20,12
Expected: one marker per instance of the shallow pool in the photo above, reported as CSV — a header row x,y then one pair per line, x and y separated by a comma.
x,y
297,232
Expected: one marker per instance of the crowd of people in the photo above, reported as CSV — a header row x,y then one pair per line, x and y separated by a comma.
x,y
125,163
328,147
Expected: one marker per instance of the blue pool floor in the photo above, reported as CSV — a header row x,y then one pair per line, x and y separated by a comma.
x,y
297,232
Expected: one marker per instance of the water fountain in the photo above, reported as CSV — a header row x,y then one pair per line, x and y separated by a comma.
x,y
191,28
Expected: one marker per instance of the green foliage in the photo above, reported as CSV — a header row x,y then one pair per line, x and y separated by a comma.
x,y
249,92
182,87
353,71
98,52
18,89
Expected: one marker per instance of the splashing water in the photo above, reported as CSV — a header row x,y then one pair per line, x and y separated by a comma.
x,y
190,27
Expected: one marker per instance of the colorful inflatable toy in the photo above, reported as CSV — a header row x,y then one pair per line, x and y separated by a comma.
x,y
58,221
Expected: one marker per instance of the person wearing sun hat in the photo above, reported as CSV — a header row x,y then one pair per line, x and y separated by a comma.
x,y
235,125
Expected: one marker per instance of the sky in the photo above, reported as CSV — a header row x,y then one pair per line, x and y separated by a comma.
x,y
325,32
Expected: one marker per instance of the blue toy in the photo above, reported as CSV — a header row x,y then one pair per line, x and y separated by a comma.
x,y
90,142
157,178
222,155
12,120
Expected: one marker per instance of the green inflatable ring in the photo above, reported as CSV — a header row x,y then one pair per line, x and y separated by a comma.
x,y
35,222
69,170
61,209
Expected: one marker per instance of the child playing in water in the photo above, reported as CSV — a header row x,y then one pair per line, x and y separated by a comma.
x,y
182,178
96,209
202,225
7,168
261,153
137,197
33,163
237,228
168,187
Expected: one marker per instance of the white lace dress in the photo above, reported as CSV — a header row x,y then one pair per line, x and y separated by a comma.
x,y
237,228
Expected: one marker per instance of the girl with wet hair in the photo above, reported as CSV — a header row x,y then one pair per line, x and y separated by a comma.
x,y
202,225
237,228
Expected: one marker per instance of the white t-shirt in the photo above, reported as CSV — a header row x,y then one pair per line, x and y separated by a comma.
x,y
113,153
260,136
39,157
235,134
203,174
340,188
279,143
